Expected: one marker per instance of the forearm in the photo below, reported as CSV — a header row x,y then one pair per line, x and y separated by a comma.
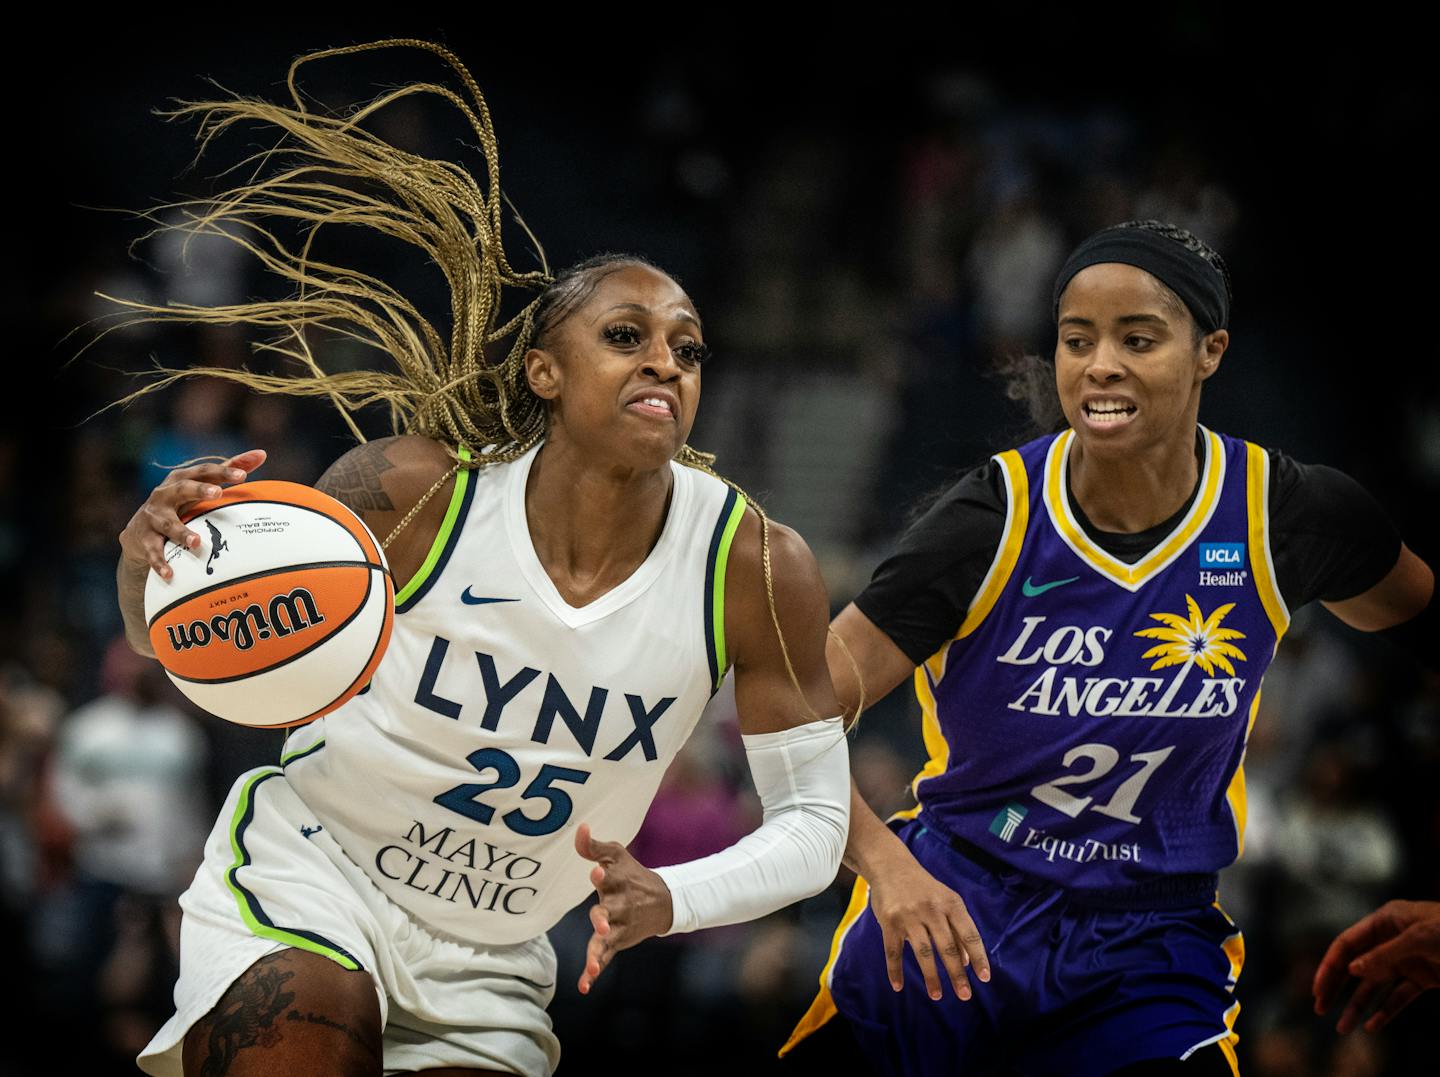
x,y
130,586
801,775
871,844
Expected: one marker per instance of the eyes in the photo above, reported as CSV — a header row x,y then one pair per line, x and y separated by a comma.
x,y
691,353
1135,342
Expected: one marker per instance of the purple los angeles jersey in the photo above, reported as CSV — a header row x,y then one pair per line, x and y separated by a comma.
x,y
1087,724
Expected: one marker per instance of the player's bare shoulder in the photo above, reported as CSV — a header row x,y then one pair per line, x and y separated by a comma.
x,y
383,481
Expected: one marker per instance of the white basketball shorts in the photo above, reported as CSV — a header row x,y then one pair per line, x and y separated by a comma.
x,y
273,878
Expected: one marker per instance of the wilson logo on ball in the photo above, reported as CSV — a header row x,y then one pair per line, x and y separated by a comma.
x,y
259,621
280,614
292,612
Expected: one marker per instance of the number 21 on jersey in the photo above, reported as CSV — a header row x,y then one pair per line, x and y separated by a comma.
x,y
1102,759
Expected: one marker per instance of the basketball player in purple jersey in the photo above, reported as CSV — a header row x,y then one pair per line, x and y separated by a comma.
x,y
1087,619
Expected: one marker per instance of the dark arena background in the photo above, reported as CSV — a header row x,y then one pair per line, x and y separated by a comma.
x,y
867,224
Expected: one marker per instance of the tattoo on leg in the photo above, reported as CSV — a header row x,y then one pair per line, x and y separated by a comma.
x,y
338,1026
246,1015
354,479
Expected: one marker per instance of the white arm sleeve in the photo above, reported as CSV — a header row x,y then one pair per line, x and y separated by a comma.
x,y
803,777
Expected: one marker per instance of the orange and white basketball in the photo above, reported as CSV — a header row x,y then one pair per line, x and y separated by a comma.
x,y
283,611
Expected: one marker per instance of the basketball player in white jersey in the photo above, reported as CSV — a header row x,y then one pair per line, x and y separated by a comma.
x,y
569,597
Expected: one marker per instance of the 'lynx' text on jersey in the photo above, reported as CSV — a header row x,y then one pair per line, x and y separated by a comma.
x,y
501,716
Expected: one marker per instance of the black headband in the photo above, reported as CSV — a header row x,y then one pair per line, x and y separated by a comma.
x,y
1200,286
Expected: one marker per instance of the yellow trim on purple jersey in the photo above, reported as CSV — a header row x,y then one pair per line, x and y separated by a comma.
x,y
1257,492
1227,1045
1234,949
823,1008
1017,519
1262,567
1131,577
1007,553
936,746
1235,791
932,670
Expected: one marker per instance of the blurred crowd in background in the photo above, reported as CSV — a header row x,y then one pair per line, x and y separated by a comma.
x,y
868,246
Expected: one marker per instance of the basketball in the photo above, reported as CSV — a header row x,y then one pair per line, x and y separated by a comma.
x,y
282,612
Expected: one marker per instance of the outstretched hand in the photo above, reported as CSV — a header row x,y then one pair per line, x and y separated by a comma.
x,y
634,903
914,909
1394,954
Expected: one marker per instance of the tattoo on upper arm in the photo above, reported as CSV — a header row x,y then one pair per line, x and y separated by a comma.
x,y
354,479
245,1017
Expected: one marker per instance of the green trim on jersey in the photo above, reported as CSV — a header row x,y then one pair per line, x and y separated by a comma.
x,y
251,911
717,588
463,478
301,753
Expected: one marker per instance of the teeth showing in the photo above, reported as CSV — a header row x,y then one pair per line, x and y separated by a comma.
x,y
655,402
1109,411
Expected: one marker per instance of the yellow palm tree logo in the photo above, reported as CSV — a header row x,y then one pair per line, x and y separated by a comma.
x,y
1199,640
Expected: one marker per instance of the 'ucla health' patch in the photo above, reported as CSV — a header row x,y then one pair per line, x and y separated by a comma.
x,y
1222,554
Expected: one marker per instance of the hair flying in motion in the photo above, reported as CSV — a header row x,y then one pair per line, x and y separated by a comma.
x,y
470,390
329,170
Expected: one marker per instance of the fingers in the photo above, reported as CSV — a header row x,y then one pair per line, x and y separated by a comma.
x,y
144,537
1415,952
973,946
247,461
1399,942
924,952
582,841
632,903
597,954
600,920
1330,977
1406,993
187,492
235,469
602,852
955,958
943,937
894,956
1360,1002
949,961
965,950
158,520
1333,971
205,473
154,543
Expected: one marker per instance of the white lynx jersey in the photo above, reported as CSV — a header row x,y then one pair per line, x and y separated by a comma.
x,y
501,717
